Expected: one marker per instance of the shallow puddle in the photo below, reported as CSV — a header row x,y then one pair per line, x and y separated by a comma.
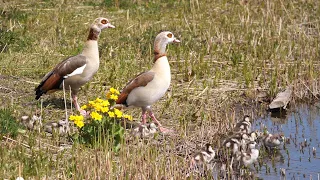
x,y
303,128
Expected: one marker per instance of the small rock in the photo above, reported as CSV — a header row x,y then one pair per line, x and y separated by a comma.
x,y
282,99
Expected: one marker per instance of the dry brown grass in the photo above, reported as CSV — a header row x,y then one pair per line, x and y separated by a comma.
x,y
229,50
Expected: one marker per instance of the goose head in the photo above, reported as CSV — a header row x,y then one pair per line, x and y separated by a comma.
x,y
101,23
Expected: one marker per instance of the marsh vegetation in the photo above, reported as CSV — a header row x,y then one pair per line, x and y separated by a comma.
x,y
230,53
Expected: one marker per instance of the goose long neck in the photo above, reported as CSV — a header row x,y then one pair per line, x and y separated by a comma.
x,y
91,46
159,49
91,49
94,34
91,52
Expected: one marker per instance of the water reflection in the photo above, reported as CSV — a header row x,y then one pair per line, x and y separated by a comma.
x,y
298,156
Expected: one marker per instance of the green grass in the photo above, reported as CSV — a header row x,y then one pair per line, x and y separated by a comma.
x,y
228,50
8,124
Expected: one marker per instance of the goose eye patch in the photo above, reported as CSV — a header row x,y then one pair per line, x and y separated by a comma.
x,y
104,21
169,35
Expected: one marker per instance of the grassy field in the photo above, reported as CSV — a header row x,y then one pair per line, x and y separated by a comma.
x,y
230,51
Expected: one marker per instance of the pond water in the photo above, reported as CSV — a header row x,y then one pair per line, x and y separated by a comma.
x,y
297,157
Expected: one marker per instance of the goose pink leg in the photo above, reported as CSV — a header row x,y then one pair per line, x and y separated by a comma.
x,y
162,129
144,117
77,106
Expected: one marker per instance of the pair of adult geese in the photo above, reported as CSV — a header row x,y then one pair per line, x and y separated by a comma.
x,y
142,91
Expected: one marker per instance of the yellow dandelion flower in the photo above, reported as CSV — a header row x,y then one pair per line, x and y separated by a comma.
x,y
111,114
79,118
118,113
84,107
108,95
72,118
128,117
92,103
76,118
114,97
104,109
114,91
105,103
80,124
98,100
96,116
97,107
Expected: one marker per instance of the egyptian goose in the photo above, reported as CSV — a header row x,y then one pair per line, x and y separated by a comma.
x,y
239,139
250,156
244,126
233,144
144,130
252,136
255,135
246,159
77,70
148,87
206,155
202,158
251,149
271,141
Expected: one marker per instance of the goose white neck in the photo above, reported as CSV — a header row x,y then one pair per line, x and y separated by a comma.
x,y
91,49
161,65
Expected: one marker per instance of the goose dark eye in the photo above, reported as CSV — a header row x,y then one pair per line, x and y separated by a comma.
x,y
104,21
169,35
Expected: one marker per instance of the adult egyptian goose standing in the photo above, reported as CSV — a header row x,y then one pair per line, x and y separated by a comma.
x,y
77,70
148,87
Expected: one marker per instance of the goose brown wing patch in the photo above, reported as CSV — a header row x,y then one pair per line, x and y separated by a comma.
x,y
69,65
54,78
141,80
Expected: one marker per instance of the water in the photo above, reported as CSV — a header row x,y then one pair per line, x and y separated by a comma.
x,y
300,126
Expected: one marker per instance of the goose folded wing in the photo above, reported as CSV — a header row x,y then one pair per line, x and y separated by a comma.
x,y
69,67
140,80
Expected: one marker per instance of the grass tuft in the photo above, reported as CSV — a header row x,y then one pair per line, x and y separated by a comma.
x,y
8,124
228,50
